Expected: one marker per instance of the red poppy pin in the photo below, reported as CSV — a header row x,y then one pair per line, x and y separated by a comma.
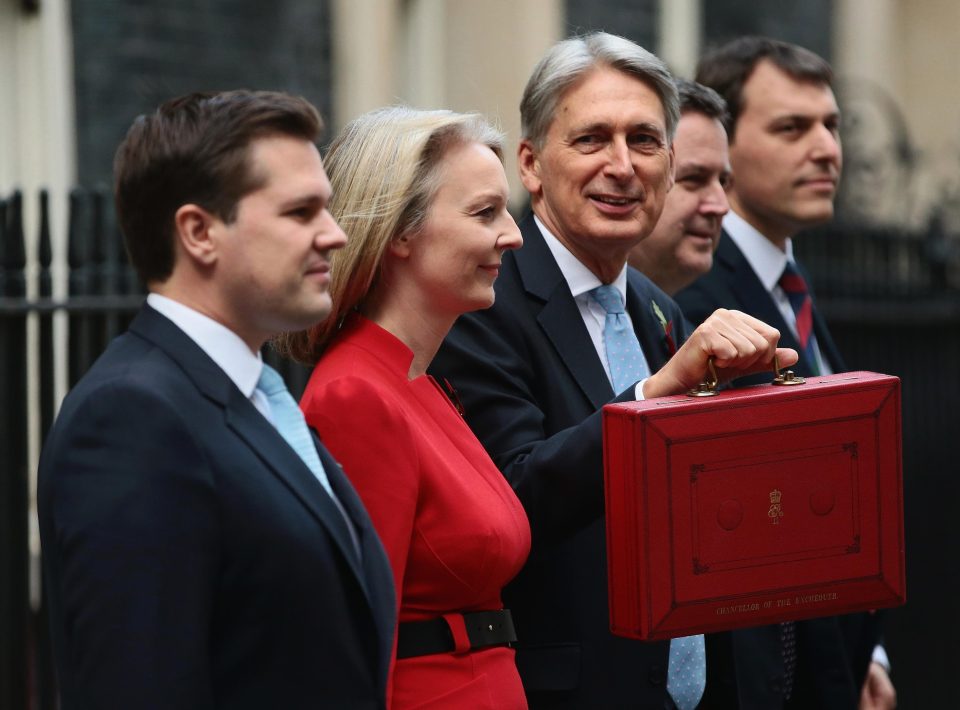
x,y
452,395
667,326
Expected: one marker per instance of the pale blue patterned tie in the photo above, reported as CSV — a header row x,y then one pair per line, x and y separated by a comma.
x,y
687,670
289,421
624,356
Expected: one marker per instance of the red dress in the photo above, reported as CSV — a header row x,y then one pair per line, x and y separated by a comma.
x,y
453,529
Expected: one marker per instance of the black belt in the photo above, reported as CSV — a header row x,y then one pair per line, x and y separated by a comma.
x,y
483,628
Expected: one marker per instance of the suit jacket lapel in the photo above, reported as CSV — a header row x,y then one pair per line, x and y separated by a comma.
x,y
650,333
373,573
560,317
267,443
244,419
757,301
750,292
828,349
377,578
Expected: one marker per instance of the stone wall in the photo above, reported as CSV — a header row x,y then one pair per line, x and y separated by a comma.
x,y
130,56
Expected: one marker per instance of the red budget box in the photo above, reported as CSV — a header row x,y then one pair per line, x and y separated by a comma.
x,y
757,505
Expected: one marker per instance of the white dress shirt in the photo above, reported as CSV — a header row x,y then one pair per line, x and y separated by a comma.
x,y
581,282
224,347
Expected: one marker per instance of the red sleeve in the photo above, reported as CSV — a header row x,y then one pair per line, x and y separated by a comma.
x,y
369,436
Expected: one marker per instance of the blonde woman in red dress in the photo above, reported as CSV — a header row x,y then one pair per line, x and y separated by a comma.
x,y
422,196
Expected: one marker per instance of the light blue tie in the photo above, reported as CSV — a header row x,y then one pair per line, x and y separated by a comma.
x,y
687,669
289,421
624,356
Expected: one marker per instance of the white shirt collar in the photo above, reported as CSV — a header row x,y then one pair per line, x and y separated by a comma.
x,y
579,278
224,347
766,260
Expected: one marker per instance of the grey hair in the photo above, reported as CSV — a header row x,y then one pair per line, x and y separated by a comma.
x,y
570,59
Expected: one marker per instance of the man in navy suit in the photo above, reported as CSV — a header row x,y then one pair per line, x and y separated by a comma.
x,y
192,557
786,159
680,248
533,371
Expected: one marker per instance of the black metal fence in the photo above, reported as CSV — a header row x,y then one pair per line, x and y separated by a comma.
x,y
893,301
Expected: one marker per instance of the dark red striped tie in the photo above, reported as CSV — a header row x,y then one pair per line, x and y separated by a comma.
x,y
794,285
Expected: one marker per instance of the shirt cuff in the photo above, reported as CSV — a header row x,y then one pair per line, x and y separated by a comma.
x,y
638,390
880,656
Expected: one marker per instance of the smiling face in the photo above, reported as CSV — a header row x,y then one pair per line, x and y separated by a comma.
x,y
785,153
453,260
273,263
599,181
681,246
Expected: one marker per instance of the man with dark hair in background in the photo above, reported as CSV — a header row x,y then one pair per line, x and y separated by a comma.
x,y
201,549
681,246
786,159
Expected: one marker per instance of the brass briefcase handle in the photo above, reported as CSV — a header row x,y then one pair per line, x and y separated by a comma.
x,y
786,378
708,387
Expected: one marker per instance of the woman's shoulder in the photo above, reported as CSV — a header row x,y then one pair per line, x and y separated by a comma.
x,y
347,383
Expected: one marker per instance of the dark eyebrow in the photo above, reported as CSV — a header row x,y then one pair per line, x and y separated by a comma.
x,y
308,197
806,117
651,127
601,126
590,127
313,201
692,166
644,127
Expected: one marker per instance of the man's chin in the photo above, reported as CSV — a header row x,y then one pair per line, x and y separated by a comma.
x,y
317,313
699,243
627,231
815,216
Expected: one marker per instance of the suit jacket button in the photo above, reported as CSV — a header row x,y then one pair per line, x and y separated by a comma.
x,y
656,675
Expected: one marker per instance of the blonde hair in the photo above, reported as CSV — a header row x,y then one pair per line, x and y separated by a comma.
x,y
385,171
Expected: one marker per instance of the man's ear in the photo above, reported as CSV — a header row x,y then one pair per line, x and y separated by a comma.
x,y
196,231
528,162
673,167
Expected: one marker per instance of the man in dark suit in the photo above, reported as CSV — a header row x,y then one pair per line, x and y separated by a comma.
x,y
533,371
786,159
193,557
680,248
